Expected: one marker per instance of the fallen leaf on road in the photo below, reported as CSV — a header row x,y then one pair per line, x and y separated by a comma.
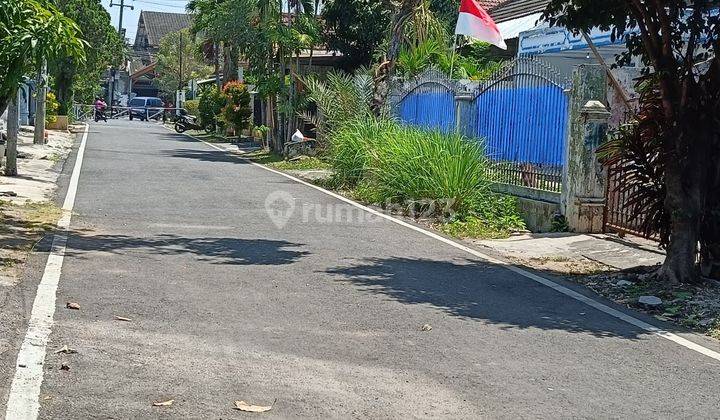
x,y
163,403
66,350
243,406
64,367
426,327
72,305
122,318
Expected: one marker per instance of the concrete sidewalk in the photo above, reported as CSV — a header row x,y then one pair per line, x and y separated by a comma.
x,y
572,253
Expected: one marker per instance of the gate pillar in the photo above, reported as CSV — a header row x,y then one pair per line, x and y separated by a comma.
x,y
583,194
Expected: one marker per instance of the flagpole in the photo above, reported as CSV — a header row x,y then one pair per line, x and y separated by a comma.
x,y
452,58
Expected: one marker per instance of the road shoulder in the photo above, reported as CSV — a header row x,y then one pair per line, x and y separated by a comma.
x,y
29,220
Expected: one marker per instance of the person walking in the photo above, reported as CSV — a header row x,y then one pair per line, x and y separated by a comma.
x,y
100,106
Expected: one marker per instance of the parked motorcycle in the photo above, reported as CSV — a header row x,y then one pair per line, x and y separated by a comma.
x,y
188,122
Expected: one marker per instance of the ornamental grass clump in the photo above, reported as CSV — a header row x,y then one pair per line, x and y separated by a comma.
x,y
413,164
398,164
350,148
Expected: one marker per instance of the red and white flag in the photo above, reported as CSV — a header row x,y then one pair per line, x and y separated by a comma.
x,y
475,22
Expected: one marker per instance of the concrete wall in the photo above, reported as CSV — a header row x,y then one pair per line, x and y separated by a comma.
x,y
537,208
538,215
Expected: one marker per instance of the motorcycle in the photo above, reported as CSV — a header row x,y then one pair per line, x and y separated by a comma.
x,y
188,122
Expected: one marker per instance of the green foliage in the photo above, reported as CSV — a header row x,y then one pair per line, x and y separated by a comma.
x,y
408,163
210,106
356,28
559,223
31,31
413,164
413,60
237,110
436,173
498,224
446,12
634,151
678,42
339,98
51,108
173,46
350,148
192,106
80,80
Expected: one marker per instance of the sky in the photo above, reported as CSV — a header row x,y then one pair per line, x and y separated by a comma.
x,y
130,17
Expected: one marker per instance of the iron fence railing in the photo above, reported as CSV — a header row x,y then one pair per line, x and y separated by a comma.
x,y
535,176
621,215
520,114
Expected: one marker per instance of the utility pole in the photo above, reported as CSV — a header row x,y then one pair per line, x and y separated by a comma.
x,y
178,97
180,51
121,31
12,137
40,100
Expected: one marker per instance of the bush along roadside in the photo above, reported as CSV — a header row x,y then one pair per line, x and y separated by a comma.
x,y
434,177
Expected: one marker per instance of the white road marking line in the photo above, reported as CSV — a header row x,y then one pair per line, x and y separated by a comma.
x,y
534,277
24,400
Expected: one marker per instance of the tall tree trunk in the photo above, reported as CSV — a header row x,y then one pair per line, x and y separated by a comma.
x,y
710,240
216,60
687,190
386,71
230,63
12,137
64,87
40,107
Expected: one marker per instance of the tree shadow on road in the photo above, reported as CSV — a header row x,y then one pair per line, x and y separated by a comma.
x,y
204,155
479,291
223,250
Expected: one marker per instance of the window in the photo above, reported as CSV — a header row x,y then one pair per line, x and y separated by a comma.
x,y
137,102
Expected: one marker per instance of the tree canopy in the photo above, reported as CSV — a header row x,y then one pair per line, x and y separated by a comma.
x,y
169,78
80,81
356,28
677,130
30,32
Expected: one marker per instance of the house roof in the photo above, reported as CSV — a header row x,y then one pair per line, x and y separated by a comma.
x,y
159,24
514,9
143,71
489,4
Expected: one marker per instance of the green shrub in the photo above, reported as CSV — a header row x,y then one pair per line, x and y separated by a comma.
x,y
414,164
211,105
339,98
350,148
192,106
401,164
435,173
237,110
51,108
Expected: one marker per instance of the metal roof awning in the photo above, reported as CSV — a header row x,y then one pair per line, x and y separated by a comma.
x,y
511,29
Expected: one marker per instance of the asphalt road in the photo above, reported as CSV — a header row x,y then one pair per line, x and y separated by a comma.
x,y
321,317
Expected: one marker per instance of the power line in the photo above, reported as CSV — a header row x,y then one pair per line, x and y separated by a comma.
x,y
161,4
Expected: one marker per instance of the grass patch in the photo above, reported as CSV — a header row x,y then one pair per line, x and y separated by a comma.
x,y
43,216
276,161
423,173
473,227
21,227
